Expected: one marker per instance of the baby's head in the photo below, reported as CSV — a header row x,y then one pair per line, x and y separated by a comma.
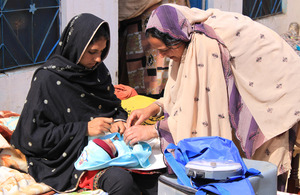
x,y
107,145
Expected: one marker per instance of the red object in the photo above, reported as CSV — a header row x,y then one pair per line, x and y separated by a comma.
x,y
104,146
124,92
87,179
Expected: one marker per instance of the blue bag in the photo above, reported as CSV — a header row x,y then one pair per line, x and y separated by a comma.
x,y
207,148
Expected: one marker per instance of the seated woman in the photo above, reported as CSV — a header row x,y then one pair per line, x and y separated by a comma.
x,y
72,97
227,72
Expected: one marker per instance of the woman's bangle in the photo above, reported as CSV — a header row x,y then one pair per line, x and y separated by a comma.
x,y
117,120
161,112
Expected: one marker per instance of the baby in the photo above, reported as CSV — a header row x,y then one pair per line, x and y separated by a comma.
x,y
111,150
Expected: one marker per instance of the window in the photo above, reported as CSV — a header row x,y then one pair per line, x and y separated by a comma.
x,y
29,32
258,8
201,4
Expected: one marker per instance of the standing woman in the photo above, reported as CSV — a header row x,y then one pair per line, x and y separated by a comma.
x,y
227,72
72,97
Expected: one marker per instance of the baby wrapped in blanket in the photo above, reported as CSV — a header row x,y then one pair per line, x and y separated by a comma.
x,y
111,150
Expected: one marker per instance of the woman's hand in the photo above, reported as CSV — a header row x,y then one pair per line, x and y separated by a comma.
x,y
138,133
138,116
99,126
119,126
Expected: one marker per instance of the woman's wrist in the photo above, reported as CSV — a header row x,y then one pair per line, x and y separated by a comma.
x,y
156,130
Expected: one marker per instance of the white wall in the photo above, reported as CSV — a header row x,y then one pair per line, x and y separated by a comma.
x,y
226,5
14,85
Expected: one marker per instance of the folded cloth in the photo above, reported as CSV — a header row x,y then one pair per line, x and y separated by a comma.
x,y
124,92
16,182
8,122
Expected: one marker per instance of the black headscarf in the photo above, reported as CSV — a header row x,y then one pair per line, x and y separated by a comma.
x,y
64,96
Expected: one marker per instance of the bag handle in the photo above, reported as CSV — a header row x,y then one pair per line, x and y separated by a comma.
x,y
180,173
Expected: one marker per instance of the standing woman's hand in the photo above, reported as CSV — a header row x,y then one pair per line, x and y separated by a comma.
x,y
138,116
99,126
139,133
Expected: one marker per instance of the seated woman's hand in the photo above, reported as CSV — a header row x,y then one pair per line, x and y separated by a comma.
x,y
118,126
99,126
138,133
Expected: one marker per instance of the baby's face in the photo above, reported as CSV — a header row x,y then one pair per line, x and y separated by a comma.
x,y
111,145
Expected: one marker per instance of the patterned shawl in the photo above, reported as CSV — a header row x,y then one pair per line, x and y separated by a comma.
x,y
261,82
194,95
64,96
